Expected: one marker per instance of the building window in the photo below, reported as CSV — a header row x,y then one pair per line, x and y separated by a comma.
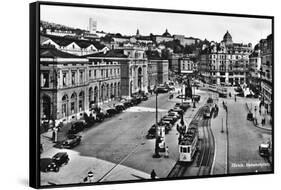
x,y
64,79
81,77
106,73
90,73
102,73
95,73
73,73
45,80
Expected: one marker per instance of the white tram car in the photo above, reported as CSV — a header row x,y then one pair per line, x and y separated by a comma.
x,y
188,145
222,91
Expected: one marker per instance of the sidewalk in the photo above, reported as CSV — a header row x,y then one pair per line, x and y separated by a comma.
x,y
260,116
218,125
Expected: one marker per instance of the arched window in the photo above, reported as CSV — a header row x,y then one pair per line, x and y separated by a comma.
x,y
90,97
118,89
73,103
107,91
115,86
139,78
81,101
102,92
95,94
64,106
111,91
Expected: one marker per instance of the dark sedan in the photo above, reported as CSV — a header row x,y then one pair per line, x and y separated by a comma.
x,y
77,126
60,158
120,107
161,90
71,141
47,165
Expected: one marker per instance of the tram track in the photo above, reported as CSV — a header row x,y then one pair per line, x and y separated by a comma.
x,y
204,157
180,168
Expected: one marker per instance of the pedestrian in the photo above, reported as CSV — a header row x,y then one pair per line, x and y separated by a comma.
x,y
262,121
90,176
55,134
166,152
153,174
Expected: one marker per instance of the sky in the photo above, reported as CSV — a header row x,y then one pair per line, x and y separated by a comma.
x,y
242,30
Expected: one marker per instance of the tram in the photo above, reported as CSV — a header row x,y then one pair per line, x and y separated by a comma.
x,y
188,145
222,91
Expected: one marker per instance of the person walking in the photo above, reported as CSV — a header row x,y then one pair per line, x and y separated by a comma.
x,y
166,152
153,174
55,134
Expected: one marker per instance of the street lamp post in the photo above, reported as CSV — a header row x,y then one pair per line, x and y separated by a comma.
x,y
156,150
193,98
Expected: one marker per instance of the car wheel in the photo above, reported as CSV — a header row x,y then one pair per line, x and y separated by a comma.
x,y
66,162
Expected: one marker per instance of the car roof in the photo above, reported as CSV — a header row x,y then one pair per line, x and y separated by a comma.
x,y
264,145
59,154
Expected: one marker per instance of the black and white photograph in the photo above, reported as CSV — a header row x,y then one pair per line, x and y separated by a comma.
x,y
139,94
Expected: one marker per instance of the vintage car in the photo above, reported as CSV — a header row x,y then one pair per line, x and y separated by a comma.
x,y
71,141
47,165
60,158
77,126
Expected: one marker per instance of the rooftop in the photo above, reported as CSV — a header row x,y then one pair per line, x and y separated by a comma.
x,y
50,52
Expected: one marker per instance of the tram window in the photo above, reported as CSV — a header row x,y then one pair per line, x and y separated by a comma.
x,y
188,149
183,149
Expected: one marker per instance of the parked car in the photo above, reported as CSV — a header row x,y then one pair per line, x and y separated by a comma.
x,y
100,116
264,149
127,103
136,100
250,116
110,111
169,119
90,120
60,158
174,114
71,141
178,110
47,165
77,126
144,97
120,107
161,90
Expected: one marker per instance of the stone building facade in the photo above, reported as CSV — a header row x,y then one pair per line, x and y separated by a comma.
x,y
64,83
133,71
254,76
266,46
225,63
